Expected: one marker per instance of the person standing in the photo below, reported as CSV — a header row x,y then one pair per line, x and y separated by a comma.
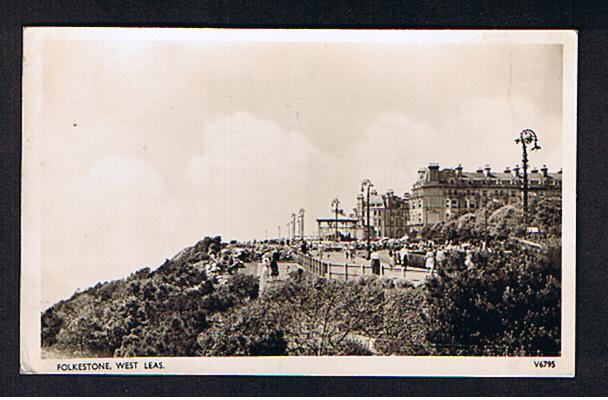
x,y
304,247
375,262
404,256
265,267
274,265
430,260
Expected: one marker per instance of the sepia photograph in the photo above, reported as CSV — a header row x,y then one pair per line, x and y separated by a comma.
x,y
311,202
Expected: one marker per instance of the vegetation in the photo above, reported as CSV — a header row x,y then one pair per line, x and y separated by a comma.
x,y
148,313
314,316
497,222
506,302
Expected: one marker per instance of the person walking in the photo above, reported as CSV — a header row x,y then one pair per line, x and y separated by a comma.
x,y
396,257
375,262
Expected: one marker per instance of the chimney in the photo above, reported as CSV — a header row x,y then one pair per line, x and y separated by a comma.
x,y
433,175
487,170
516,171
507,170
560,171
421,173
479,170
544,170
458,170
534,170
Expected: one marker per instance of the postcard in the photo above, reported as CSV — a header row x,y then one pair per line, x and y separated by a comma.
x,y
298,202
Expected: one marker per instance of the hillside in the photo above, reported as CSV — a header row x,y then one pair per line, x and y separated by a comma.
x,y
158,312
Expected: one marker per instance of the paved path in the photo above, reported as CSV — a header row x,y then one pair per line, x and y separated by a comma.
x,y
414,274
284,269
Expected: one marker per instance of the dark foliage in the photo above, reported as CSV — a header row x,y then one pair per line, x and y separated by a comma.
x,y
508,304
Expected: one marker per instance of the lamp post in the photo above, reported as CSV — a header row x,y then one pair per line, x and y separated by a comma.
x,y
526,137
293,226
485,217
301,215
335,205
367,185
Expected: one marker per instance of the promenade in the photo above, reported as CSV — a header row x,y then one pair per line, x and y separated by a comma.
x,y
335,265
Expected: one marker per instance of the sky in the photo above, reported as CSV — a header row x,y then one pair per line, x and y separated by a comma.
x,y
148,146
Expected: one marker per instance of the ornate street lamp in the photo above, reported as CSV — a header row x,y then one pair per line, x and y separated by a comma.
x,y
301,215
526,137
335,205
293,226
367,185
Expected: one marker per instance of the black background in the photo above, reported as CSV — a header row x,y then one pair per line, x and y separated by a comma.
x,y
590,18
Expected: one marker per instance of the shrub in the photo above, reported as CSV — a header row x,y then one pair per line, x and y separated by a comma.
x,y
506,305
246,331
404,284
244,286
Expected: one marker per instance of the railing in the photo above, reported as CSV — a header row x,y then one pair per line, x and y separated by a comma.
x,y
345,271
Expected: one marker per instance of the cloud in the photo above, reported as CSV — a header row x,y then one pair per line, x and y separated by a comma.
x,y
393,146
250,174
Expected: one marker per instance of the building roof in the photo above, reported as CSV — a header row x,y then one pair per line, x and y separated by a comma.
x,y
340,219
444,175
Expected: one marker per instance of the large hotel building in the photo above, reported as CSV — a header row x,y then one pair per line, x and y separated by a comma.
x,y
439,194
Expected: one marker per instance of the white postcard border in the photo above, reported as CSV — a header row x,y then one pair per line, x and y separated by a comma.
x,y
31,361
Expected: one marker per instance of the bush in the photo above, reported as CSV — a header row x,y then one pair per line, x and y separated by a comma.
x,y
246,331
404,284
386,283
244,286
368,280
506,305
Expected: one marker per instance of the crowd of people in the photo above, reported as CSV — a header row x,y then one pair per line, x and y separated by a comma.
x,y
426,254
